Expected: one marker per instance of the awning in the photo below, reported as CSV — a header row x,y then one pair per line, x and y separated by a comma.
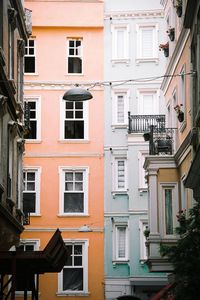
x,y
163,292
24,265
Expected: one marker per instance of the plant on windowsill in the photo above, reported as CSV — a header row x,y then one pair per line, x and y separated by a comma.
x,y
146,232
180,113
178,6
171,34
165,48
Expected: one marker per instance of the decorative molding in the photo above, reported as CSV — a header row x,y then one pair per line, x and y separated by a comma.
x,y
65,154
140,14
58,85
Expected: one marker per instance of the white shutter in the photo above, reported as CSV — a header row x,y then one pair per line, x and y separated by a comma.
x,y
147,42
121,174
120,109
121,242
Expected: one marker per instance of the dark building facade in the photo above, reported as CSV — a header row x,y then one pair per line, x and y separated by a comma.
x,y
13,34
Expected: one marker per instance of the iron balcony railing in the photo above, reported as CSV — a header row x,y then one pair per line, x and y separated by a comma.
x,y
142,123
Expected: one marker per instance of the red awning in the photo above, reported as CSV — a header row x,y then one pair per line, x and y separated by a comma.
x,y
163,292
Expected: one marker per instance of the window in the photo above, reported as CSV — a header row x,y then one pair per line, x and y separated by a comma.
x,y
74,277
31,192
147,41
33,113
120,240
182,89
74,120
11,51
169,208
120,108
74,56
141,177
120,174
120,42
147,102
74,191
143,225
30,56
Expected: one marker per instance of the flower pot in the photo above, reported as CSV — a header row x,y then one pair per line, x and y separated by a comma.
x,y
179,11
166,52
171,35
180,116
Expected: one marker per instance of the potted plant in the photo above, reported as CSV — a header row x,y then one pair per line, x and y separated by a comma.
x,y
180,113
165,48
146,232
178,7
171,33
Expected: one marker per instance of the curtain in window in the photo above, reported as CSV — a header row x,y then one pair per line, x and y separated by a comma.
x,y
121,242
168,211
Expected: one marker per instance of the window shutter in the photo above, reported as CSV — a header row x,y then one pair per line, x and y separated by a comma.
x,y
120,109
121,174
121,242
147,43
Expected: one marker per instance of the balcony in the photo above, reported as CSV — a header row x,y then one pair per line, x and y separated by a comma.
x,y
161,139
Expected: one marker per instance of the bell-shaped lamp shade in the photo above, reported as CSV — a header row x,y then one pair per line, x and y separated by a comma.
x,y
77,94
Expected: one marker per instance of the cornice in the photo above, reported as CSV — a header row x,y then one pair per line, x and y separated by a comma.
x,y
157,162
57,85
137,14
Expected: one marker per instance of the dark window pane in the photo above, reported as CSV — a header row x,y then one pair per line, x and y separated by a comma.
x,y
79,105
32,105
31,51
30,176
78,249
71,51
69,257
33,131
73,202
71,43
29,64
29,247
74,65
29,202
74,129
78,43
69,105
69,114
68,176
78,260
31,43
79,115
78,176
32,114
73,279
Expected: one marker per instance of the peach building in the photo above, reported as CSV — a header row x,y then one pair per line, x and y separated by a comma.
x,y
63,162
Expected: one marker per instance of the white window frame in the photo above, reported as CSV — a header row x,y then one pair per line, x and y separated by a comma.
x,y
85,244
142,180
116,257
143,224
62,171
31,55
37,171
85,119
116,188
37,100
126,96
80,55
139,30
175,207
114,31
140,97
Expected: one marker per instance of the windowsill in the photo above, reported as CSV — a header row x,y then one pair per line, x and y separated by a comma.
x,y
120,262
31,74
33,141
62,215
143,190
74,74
121,61
74,141
114,193
35,215
80,294
119,126
143,261
144,60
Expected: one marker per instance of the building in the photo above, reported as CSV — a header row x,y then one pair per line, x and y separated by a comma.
x,y
133,101
167,174
13,34
64,163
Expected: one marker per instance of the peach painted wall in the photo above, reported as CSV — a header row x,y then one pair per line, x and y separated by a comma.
x,y
53,22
